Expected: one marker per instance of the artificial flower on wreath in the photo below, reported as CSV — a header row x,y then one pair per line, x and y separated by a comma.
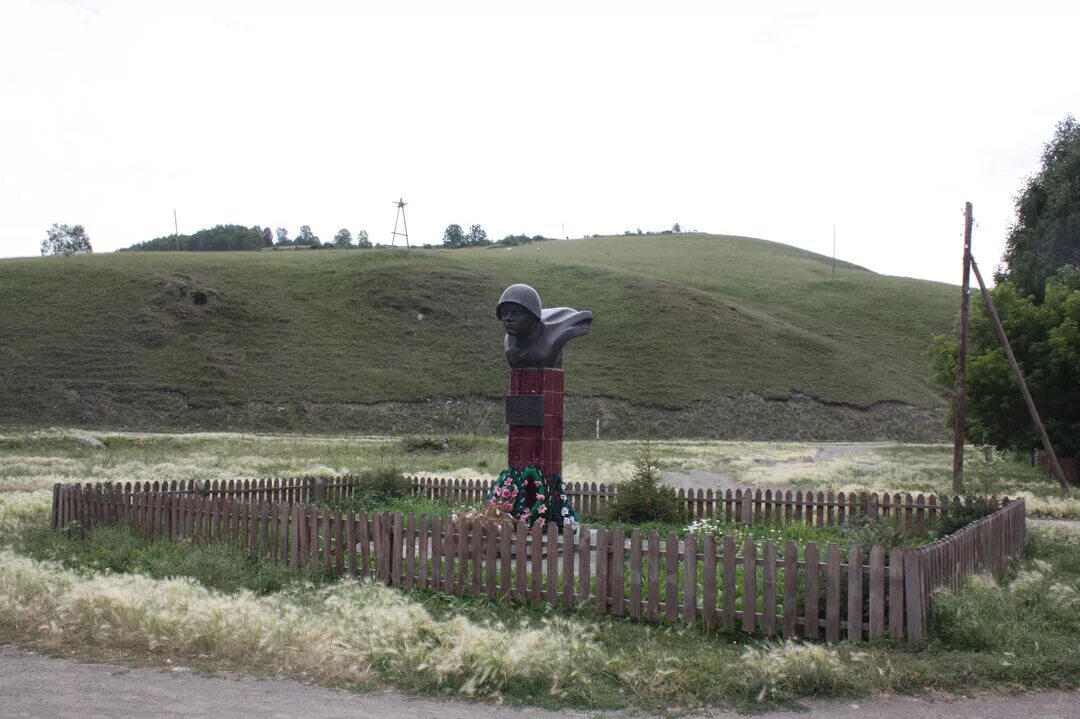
x,y
527,496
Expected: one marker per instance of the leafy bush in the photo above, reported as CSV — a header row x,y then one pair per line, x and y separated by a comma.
x,y
882,532
642,498
376,488
414,445
960,515
425,444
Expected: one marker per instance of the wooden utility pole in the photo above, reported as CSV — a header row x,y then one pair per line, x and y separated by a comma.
x,y
960,410
1019,378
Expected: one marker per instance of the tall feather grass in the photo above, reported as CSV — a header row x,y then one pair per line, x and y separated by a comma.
x,y
341,634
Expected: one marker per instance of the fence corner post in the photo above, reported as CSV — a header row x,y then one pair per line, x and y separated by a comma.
x,y
56,506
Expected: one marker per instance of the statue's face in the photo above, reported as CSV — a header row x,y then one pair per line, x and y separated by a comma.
x,y
517,320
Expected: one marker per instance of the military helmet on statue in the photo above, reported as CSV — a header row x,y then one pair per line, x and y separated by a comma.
x,y
522,295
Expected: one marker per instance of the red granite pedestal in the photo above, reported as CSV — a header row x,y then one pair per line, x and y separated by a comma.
x,y
538,446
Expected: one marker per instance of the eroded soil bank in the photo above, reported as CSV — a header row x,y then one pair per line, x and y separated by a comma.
x,y
796,418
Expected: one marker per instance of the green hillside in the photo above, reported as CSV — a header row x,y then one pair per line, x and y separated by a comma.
x,y
395,341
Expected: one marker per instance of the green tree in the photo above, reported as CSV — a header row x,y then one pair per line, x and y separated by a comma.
x,y
66,240
343,239
1047,230
307,237
1038,299
453,236
268,237
1045,337
281,236
477,237
362,240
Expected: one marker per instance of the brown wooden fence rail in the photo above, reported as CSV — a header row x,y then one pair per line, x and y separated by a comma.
x,y
790,590
590,500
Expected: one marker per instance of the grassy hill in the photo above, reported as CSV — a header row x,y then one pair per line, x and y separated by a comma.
x,y
692,332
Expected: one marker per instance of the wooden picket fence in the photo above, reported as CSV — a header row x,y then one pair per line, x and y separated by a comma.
x,y
590,500
791,591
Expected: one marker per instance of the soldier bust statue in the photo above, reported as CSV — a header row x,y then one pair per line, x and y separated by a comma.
x,y
535,336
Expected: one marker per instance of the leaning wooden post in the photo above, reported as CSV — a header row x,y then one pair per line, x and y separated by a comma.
x,y
1020,378
960,409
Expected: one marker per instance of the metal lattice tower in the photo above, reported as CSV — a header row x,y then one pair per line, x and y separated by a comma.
x,y
405,226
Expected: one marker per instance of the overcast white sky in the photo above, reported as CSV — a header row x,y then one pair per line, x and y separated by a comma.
x,y
776,120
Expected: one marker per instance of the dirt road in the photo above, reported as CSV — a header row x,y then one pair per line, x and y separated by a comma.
x,y
32,685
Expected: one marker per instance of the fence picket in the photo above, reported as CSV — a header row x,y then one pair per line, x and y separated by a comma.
x,y
877,592
410,552
520,585
729,583
584,568
552,563
615,574
462,535
652,611
896,593
505,537
601,571
436,551
568,565
708,583
813,591
855,594
791,585
476,535
690,581
768,590
327,533
832,594
536,539
671,589
491,532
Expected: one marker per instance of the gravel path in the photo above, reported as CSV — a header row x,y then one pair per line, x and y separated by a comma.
x,y
721,481
32,685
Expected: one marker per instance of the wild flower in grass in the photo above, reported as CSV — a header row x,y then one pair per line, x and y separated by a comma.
x,y
760,533
791,669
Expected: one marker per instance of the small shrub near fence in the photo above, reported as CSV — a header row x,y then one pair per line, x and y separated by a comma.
x,y
777,590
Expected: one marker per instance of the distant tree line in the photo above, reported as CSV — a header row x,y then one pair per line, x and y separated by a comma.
x,y
239,238
233,238
454,237
218,238
676,229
